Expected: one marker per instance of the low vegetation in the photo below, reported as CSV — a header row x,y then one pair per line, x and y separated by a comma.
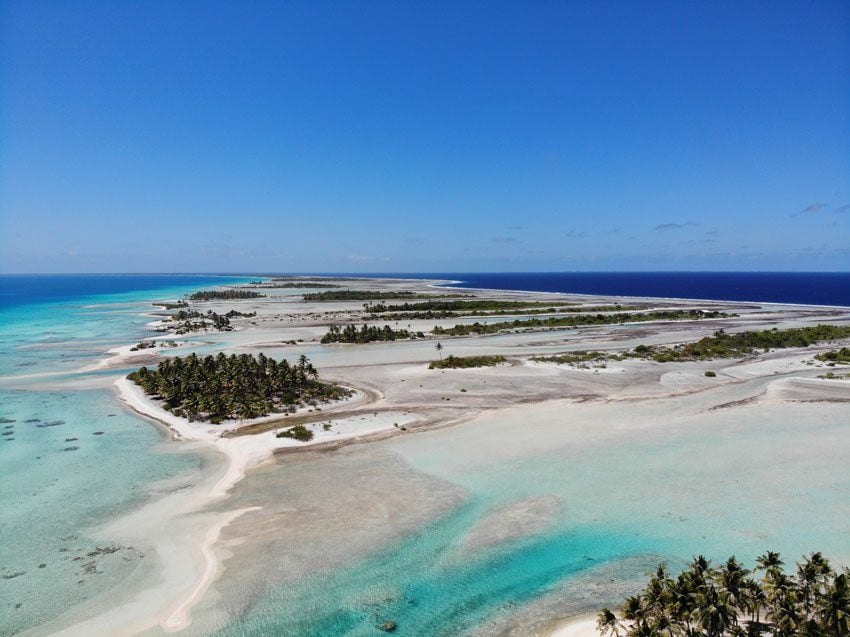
x,y
732,600
741,344
298,432
469,307
836,356
834,376
143,345
172,305
578,358
292,283
464,362
720,345
579,321
366,334
360,295
225,295
194,321
435,310
216,388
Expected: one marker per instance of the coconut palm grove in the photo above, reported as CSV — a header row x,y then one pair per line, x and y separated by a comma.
x,y
732,600
221,387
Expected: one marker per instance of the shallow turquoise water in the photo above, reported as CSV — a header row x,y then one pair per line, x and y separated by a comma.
x,y
429,586
42,335
705,484
713,483
71,460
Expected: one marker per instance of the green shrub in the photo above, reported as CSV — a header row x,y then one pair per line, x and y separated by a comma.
x,y
463,362
836,356
579,321
740,344
212,295
298,432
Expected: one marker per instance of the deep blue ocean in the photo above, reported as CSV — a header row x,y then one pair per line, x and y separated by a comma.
x,y
24,289
810,288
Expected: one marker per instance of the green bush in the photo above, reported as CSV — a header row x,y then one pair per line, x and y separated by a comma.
x,y
298,432
740,344
580,321
463,362
836,356
212,295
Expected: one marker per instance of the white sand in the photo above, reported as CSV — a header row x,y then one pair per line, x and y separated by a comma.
x,y
394,376
576,627
180,617
242,453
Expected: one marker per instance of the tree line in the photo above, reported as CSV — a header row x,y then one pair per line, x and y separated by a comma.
x,y
216,388
732,600
444,314
213,295
579,321
741,344
476,305
366,334
360,295
837,356
721,345
466,362
193,321
292,283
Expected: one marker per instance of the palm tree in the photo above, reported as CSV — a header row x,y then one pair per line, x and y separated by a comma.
x,y
833,607
607,624
699,564
312,372
784,614
753,599
655,597
682,600
714,612
708,602
770,560
731,578
439,348
808,576
635,611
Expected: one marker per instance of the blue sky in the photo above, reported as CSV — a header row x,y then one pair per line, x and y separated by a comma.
x,y
424,136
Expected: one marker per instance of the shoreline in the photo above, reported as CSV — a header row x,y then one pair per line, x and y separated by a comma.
x,y
575,626
444,286
388,405
241,454
181,617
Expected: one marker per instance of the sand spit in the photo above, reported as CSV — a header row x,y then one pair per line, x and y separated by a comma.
x,y
242,453
180,618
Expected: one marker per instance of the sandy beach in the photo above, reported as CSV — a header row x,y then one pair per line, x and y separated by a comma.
x,y
200,534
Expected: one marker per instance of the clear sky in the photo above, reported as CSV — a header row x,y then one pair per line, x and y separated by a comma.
x,y
424,136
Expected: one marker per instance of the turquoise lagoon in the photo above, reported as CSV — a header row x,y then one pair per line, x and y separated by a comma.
x,y
596,496
617,499
72,458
